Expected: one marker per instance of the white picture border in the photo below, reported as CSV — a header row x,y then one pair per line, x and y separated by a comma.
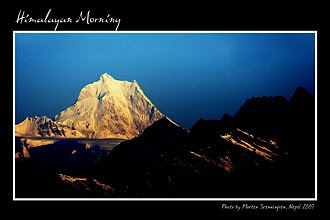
x,y
164,199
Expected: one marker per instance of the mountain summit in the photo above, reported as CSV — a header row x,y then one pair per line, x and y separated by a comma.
x,y
109,108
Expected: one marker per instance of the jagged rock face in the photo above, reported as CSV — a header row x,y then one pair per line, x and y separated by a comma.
x,y
30,126
44,127
38,126
110,108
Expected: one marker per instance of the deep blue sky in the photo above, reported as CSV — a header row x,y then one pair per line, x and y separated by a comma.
x,y
187,76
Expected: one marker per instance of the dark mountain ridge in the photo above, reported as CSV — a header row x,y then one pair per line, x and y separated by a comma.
x,y
260,144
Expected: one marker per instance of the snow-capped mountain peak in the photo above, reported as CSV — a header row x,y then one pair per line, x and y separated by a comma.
x,y
106,77
110,108
106,108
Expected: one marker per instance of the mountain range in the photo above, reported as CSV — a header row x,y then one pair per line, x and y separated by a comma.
x,y
265,150
107,108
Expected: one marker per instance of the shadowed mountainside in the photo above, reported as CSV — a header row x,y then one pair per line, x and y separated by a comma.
x,y
265,150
